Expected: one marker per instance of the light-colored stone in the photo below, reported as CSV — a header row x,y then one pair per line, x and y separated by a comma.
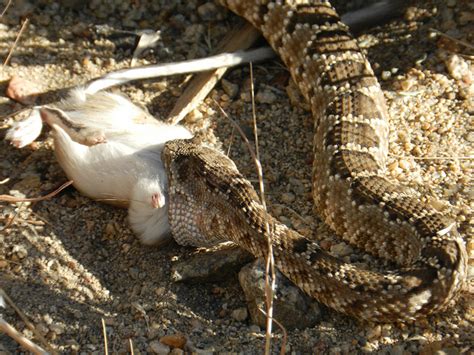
x,y
292,307
240,314
158,348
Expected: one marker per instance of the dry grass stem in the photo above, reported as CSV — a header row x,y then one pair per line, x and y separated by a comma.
x,y
283,330
431,158
269,262
20,339
231,139
104,334
270,278
25,320
461,42
130,342
12,199
10,53
6,8
8,198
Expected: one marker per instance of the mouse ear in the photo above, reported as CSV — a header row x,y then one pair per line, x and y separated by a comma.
x,y
158,200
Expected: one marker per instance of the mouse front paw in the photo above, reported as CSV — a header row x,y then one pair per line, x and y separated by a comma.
x,y
26,131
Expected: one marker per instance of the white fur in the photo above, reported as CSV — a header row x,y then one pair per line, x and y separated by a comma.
x,y
26,131
126,166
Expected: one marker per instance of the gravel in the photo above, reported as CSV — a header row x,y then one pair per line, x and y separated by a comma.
x,y
70,262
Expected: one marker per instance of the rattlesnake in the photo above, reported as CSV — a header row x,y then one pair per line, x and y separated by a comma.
x,y
211,201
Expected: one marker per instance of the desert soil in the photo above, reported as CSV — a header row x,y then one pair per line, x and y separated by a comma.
x,y
69,262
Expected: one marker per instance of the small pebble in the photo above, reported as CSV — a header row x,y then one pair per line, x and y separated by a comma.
x,y
288,197
230,89
174,340
240,314
265,97
386,75
22,90
374,332
158,348
341,249
209,12
20,251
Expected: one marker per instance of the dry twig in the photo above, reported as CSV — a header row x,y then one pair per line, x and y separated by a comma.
x,y
20,339
104,334
6,8
451,38
8,198
283,329
25,320
23,26
269,262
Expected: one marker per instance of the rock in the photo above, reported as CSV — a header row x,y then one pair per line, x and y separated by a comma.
x,y
210,266
288,197
57,328
240,314
20,251
397,350
341,249
265,97
29,183
292,307
374,333
255,328
230,89
22,90
158,348
386,75
448,351
459,68
210,12
174,340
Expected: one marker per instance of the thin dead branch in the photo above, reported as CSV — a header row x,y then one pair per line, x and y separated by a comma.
x,y
432,157
13,199
10,53
283,329
269,262
104,334
20,339
268,289
27,322
6,8
451,38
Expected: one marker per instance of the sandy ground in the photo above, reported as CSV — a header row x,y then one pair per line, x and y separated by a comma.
x,y
69,262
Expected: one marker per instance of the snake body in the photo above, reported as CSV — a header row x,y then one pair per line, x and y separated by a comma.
x,y
211,201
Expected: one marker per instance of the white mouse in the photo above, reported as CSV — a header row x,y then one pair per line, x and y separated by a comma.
x,y
111,149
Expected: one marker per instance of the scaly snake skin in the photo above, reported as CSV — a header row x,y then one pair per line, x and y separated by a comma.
x,y
211,201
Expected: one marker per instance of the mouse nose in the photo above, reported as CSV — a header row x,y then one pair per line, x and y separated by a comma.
x,y
157,200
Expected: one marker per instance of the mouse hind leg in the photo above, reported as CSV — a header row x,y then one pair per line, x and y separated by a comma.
x,y
78,131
